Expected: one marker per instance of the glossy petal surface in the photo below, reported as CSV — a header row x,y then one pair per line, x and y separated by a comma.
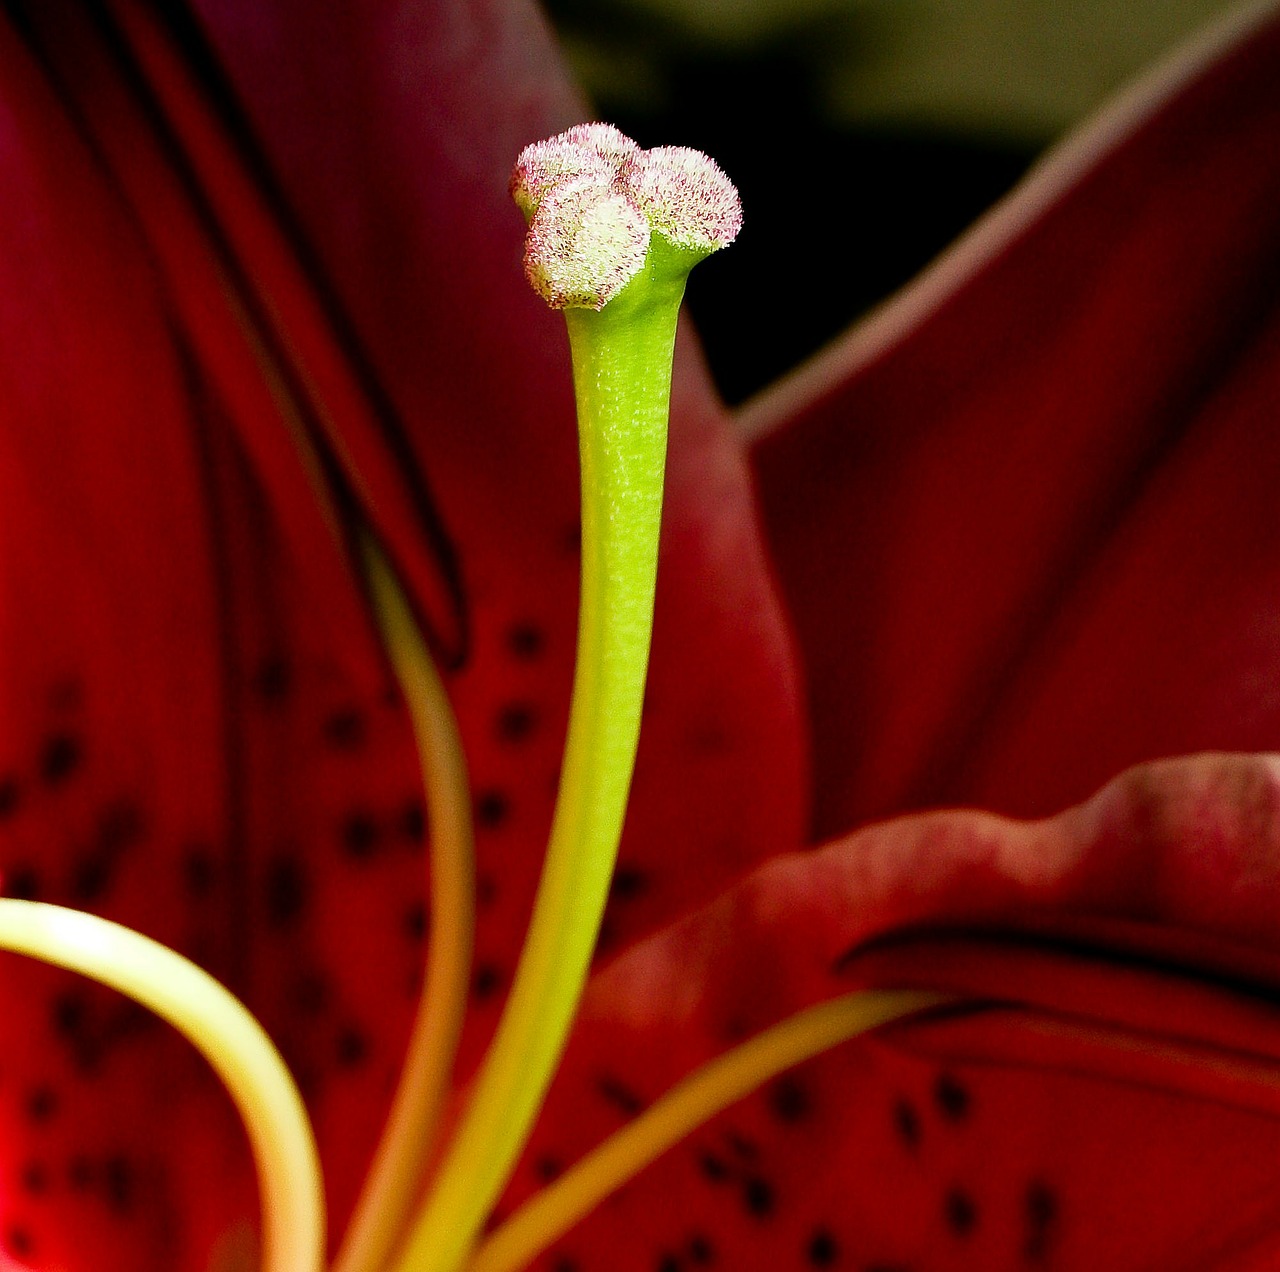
x,y
1107,1099
1025,519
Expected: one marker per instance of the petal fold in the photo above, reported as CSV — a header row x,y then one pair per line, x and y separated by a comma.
x,y
1024,517
1104,1093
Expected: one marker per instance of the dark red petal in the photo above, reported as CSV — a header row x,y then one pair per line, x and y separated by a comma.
x,y
1026,518
200,738
118,1151
1109,1099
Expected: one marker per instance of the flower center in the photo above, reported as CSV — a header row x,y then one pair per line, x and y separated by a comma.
x,y
613,233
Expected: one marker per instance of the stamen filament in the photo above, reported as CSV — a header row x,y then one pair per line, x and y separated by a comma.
x,y
622,375
233,1042
396,1175
696,1099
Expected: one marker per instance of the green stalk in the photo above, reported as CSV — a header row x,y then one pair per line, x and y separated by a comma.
x,y
622,378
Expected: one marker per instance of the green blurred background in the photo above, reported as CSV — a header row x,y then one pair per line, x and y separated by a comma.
x,y
863,134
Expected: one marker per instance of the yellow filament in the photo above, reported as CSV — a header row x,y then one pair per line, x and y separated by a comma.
x,y
233,1042
399,1165
552,1212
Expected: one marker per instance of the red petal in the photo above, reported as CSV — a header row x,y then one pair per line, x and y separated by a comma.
x,y
112,761
1025,519
173,567
1110,1101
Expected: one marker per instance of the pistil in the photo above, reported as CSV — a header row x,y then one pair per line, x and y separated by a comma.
x,y
613,233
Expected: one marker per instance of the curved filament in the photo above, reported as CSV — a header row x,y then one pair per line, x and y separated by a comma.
x,y
400,1163
225,1033
696,1099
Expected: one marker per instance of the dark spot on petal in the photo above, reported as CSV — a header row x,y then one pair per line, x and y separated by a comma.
x,y
345,730
952,1098
273,680
18,1242
22,883
411,825
516,722
61,755
960,1211
666,1262
822,1250
9,796
757,1196
548,1168
286,891
90,878
1041,1211
486,891
614,1091
117,1181
492,809
628,882
486,982
309,994
906,1122
70,1014
35,1178
742,1147
415,921
41,1104
571,541
80,1172
700,1249
525,641
199,871
120,827
788,1100
351,1047
713,1168
564,1265
359,835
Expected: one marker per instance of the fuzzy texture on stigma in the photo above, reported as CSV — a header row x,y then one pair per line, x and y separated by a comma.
x,y
593,198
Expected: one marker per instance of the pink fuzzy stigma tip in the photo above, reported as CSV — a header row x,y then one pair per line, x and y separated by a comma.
x,y
593,198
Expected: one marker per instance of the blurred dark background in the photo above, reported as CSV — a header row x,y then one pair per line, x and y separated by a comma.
x,y
864,135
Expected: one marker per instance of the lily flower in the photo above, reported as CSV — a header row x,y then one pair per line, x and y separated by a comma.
x,y
262,302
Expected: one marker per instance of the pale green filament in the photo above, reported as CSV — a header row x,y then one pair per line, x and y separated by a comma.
x,y
724,1081
233,1042
622,376
395,1179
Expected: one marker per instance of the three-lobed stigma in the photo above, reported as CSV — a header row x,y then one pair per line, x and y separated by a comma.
x,y
594,199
